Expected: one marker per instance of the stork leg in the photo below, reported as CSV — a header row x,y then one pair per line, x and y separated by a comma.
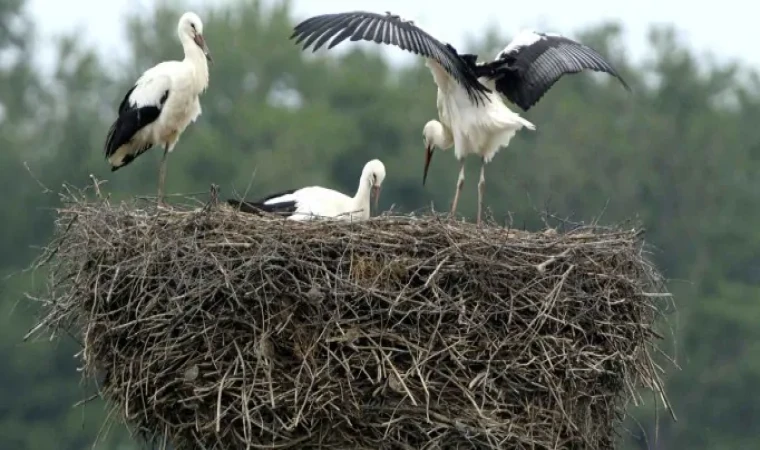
x,y
162,176
460,183
481,188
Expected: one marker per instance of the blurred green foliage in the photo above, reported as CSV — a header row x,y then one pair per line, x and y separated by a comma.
x,y
681,154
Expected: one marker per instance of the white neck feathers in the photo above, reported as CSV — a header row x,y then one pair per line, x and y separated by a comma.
x,y
196,59
441,136
361,198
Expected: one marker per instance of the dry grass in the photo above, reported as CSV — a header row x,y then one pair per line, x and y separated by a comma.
x,y
213,329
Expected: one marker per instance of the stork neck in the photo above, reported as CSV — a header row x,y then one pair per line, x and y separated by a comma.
x,y
197,60
444,138
361,199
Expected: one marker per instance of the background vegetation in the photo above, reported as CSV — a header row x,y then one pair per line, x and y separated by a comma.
x,y
682,154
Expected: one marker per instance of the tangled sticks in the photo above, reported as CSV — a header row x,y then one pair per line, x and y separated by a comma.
x,y
213,329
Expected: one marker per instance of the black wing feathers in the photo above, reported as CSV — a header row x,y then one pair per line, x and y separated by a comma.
x,y
124,106
284,208
276,194
131,156
526,73
388,29
469,58
244,206
127,125
287,208
131,120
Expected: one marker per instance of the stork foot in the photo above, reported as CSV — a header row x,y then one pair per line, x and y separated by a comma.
x,y
160,202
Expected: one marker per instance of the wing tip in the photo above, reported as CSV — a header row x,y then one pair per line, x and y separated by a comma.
x,y
526,104
625,84
612,71
244,206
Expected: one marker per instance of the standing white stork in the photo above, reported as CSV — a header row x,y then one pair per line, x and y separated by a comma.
x,y
473,118
162,103
316,202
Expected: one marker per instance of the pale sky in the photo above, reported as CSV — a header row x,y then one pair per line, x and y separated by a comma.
x,y
722,28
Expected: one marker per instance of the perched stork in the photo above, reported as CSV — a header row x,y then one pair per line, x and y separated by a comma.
x,y
162,103
473,117
315,202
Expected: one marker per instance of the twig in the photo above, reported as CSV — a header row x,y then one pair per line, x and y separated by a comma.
x,y
400,331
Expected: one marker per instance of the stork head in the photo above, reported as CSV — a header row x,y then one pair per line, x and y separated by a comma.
x,y
190,26
434,137
374,174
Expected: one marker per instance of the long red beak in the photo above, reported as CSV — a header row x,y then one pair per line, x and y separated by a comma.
x,y
375,195
428,157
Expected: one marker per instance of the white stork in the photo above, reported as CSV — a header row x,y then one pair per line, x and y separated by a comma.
x,y
473,117
315,202
162,103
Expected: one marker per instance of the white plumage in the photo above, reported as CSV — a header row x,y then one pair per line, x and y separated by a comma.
x,y
470,128
473,118
316,202
162,103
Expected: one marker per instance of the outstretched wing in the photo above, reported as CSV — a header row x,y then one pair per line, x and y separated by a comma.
x,y
532,62
388,29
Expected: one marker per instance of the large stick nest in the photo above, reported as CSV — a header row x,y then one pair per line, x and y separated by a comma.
x,y
214,329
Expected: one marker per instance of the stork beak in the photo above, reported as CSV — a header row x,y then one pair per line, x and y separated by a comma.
x,y
202,44
375,195
428,157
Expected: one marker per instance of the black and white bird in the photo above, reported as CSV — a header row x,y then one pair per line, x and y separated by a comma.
x,y
473,117
316,202
162,103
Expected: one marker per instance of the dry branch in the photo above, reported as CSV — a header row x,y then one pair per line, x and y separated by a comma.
x,y
214,329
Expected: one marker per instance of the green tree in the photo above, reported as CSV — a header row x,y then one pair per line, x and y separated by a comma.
x,y
38,382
